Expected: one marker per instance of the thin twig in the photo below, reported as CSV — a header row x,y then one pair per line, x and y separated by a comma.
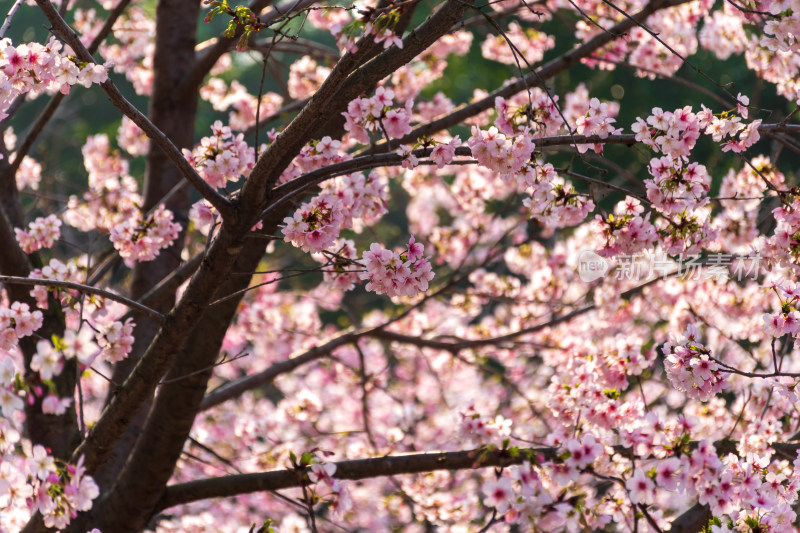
x,y
88,289
9,18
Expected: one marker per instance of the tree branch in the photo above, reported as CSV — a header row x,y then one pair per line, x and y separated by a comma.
x,y
369,160
411,463
9,18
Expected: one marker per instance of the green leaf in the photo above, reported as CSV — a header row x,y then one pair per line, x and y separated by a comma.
x,y
244,14
611,394
265,528
230,31
19,383
306,459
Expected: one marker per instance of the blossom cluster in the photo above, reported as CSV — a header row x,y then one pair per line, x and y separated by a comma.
x,y
443,153
321,473
729,125
675,28
33,479
377,115
48,360
530,46
222,158
57,271
773,65
132,53
140,239
17,321
342,273
115,338
305,77
497,152
784,244
522,494
29,173
527,495
598,121
41,233
675,133
345,202
314,155
688,233
35,68
691,368
131,138
676,185
404,273
672,133
583,452
89,24
63,491
552,200
742,192
741,492
628,230
112,196
316,225
58,491
723,34
482,429
787,321
537,111
362,198
782,28
203,216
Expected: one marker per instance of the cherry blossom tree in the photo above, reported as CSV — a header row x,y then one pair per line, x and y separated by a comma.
x,y
373,295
